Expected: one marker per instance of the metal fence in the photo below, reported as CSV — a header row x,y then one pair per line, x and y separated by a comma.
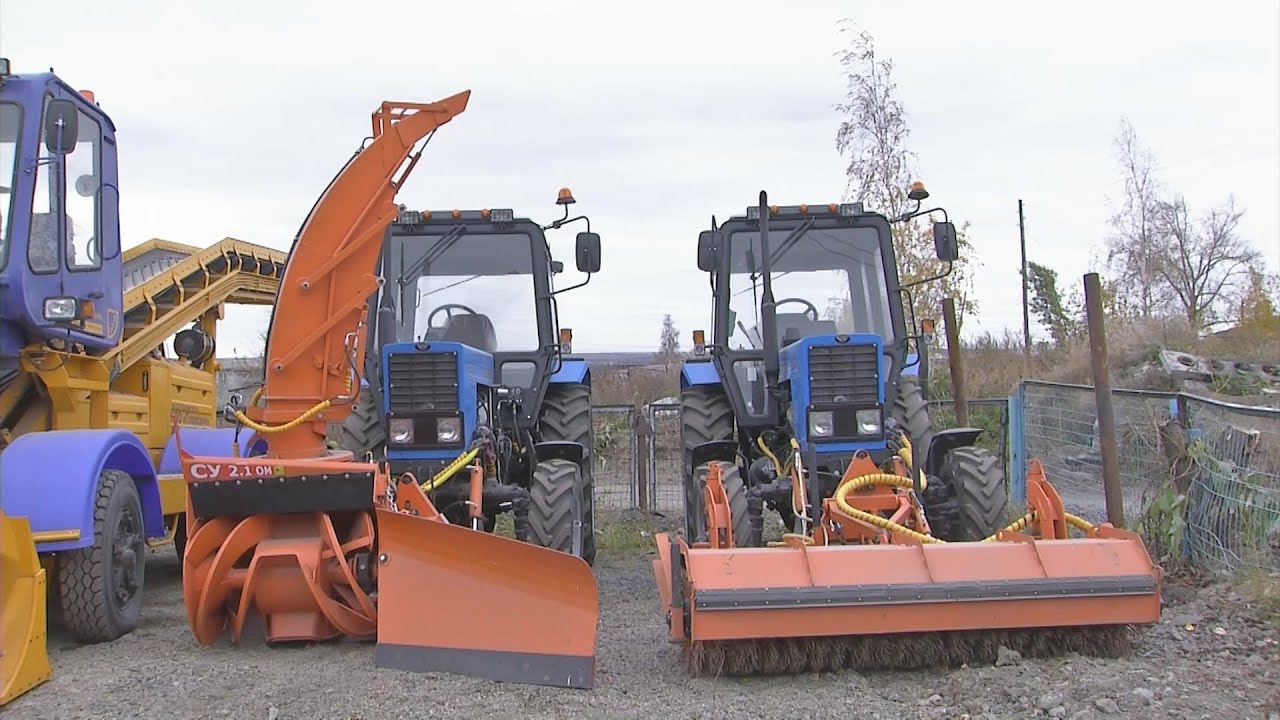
x,y
615,457
1200,478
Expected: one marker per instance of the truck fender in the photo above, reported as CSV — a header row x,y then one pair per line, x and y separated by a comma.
x,y
209,442
51,478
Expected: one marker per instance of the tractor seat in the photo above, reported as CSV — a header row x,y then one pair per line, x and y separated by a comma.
x,y
474,330
795,326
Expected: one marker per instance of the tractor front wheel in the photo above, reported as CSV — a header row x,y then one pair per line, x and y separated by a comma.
x,y
363,431
705,416
100,586
558,506
969,499
566,417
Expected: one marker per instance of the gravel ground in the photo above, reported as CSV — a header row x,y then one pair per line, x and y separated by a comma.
x,y
1208,658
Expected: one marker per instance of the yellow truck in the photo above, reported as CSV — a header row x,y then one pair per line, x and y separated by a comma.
x,y
101,350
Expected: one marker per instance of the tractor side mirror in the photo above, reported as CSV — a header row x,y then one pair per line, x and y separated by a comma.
x,y
557,267
61,126
709,244
588,252
945,243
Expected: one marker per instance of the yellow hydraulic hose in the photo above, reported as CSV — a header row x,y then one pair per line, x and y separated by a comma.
x,y
449,470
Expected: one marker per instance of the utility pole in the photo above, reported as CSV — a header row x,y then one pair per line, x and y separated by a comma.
x,y
1026,316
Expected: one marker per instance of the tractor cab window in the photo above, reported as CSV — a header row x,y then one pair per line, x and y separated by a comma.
x,y
825,281
473,288
10,129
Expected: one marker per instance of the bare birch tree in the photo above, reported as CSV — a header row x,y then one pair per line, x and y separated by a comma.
x,y
1204,262
873,135
1134,252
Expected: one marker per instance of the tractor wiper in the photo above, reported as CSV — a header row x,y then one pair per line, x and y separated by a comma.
x,y
434,252
791,241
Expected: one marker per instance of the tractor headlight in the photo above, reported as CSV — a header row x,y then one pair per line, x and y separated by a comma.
x,y
448,430
60,309
821,424
868,422
400,431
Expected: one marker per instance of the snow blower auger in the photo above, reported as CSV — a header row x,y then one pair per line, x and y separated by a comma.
x,y
891,559
313,545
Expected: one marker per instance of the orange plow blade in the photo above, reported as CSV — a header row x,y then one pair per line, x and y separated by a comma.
x,y
535,610
748,610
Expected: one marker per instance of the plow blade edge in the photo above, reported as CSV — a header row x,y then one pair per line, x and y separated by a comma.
x,y
456,600
24,659
817,591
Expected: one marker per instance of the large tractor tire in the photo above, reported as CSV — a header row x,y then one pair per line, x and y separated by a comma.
x,y
100,586
705,416
969,499
558,494
566,417
736,492
363,431
911,412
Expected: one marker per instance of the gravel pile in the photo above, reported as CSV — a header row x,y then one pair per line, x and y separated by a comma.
x,y
1210,657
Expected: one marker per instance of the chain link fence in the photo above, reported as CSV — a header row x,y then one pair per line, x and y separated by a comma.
x,y
615,457
1200,478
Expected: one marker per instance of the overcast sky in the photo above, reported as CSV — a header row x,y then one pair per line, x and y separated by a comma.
x,y
232,117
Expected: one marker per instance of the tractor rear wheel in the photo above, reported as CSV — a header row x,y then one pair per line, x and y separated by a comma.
x,y
557,504
969,499
363,431
911,411
736,491
100,586
566,417
705,416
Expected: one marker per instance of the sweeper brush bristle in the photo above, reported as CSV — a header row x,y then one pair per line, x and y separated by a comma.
x,y
913,651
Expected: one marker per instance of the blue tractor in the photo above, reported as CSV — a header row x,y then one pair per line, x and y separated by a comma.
x,y
468,355
841,375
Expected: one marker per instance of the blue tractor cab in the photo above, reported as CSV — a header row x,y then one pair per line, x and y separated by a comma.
x,y
470,356
811,350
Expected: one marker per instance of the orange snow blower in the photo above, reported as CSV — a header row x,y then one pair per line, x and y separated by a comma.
x,y
313,545
893,559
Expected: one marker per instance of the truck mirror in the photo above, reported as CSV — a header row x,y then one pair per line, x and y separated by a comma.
x,y
709,244
61,126
588,252
945,243
557,267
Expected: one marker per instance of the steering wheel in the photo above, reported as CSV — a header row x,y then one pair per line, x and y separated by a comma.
x,y
447,307
809,307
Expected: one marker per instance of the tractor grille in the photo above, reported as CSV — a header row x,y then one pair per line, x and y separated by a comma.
x,y
844,374
422,382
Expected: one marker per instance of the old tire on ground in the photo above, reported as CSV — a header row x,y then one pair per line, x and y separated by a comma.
x,y
555,485
566,417
911,411
969,499
736,492
363,431
100,586
705,416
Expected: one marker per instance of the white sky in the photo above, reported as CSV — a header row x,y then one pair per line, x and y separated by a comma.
x,y
232,117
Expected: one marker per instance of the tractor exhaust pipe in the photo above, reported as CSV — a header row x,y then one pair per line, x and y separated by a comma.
x,y
768,309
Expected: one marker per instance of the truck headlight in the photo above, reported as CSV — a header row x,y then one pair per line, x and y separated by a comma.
x,y
821,424
60,309
400,431
448,430
868,422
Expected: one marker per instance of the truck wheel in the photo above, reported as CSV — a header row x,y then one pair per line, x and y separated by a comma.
x,y
363,431
566,417
705,416
911,411
972,502
557,496
736,490
101,585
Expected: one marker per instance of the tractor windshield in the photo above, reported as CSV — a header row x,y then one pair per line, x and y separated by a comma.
x,y
471,287
825,281
10,129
